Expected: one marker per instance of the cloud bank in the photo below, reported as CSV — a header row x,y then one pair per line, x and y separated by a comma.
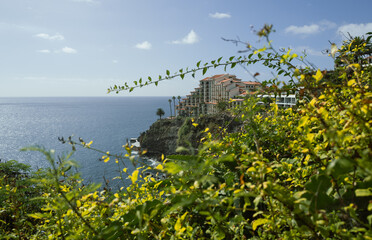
x,y
190,38
355,29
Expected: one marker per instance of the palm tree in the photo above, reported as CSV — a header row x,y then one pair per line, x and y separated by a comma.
x,y
160,112
170,106
174,105
179,102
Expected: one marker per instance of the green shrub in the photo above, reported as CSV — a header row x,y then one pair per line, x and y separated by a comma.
x,y
301,173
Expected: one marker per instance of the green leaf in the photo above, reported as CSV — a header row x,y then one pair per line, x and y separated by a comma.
x,y
258,222
37,215
363,192
317,192
182,157
205,70
168,73
340,166
173,168
198,64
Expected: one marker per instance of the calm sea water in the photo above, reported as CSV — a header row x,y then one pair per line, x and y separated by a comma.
x,y
108,121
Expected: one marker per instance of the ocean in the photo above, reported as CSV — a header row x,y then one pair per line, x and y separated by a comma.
x,y
107,121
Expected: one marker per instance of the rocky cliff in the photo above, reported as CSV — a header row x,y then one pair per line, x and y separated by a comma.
x,y
164,136
161,137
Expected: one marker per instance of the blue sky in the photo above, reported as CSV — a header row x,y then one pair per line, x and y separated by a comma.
x,y
82,47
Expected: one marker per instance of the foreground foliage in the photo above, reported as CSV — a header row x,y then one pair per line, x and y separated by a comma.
x,y
301,173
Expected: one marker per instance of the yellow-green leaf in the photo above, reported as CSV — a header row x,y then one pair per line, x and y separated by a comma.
x,y
258,222
134,176
36,215
318,76
351,82
363,192
251,169
106,158
177,227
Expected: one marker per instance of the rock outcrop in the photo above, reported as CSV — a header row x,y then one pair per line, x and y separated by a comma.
x,y
166,135
161,137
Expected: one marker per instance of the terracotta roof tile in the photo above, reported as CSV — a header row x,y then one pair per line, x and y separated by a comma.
x,y
253,83
216,76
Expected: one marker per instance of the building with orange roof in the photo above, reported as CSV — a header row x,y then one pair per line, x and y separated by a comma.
x,y
222,87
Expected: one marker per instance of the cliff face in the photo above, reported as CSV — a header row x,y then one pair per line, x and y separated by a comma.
x,y
164,136
161,137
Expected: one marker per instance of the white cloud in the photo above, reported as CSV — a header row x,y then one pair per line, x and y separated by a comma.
x,y
68,50
44,51
115,61
50,37
219,15
144,45
306,29
190,38
311,29
355,29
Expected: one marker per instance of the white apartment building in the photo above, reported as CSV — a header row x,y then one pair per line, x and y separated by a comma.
x,y
223,87
284,100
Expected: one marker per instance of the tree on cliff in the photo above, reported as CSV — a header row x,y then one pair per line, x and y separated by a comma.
x,y
160,112
170,107
174,105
